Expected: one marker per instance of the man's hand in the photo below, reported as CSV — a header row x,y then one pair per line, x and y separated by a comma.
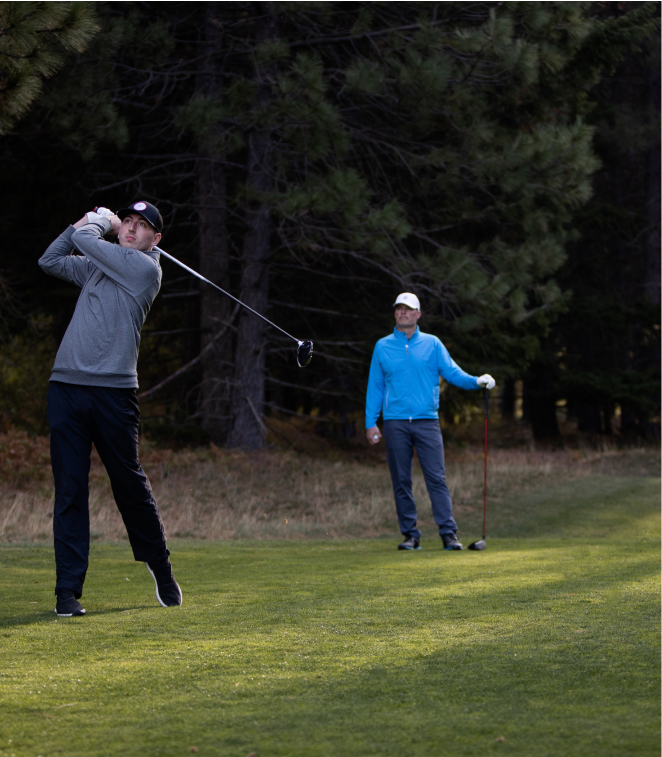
x,y
98,213
487,381
114,220
373,435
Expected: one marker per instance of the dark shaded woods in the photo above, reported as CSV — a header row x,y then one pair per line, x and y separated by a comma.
x,y
316,159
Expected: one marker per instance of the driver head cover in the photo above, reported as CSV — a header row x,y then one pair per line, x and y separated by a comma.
x,y
408,299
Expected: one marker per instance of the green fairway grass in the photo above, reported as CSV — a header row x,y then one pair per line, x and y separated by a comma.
x,y
547,643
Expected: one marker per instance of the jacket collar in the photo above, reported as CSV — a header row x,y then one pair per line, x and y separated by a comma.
x,y
402,335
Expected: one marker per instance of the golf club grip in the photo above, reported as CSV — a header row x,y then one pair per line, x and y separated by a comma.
x,y
487,394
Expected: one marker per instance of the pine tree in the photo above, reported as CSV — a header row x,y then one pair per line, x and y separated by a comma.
x,y
35,38
442,158
318,158
610,337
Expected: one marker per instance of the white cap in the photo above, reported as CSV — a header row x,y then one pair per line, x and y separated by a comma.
x,y
409,299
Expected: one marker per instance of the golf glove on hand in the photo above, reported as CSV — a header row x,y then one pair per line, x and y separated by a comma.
x,y
104,212
487,381
98,213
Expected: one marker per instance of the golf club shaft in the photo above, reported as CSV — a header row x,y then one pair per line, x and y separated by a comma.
x,y
227,294
485,468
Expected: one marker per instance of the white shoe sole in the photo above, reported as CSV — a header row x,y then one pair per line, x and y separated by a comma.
x,y
156,584
68,614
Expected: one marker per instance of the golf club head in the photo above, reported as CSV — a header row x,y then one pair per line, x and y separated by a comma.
x,y
478,545
304,353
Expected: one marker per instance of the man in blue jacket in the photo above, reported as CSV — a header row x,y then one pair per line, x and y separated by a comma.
x,y
404,387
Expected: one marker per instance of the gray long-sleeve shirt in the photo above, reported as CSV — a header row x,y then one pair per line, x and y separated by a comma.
x,y
119,284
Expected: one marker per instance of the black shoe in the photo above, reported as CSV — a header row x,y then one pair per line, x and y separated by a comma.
x,y
411,542
67,605
450,541
167,589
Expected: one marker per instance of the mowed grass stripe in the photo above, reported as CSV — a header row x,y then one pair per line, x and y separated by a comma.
x,y
549,640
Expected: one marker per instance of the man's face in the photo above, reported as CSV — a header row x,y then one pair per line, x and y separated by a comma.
x,y
137,234
406,317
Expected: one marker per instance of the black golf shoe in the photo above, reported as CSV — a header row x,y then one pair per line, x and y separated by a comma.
x,y
167,589
411,542
66,605
450,541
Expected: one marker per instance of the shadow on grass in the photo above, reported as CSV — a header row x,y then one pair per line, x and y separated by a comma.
x,y
595,507
588,515
43,617
423,651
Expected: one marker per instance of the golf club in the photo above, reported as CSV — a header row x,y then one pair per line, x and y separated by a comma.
x,y
304,349
481,544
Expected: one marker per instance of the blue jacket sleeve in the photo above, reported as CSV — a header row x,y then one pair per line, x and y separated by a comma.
x,y
450,371
375,394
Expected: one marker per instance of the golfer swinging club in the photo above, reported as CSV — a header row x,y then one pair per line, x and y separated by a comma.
x,y
404,386
92,393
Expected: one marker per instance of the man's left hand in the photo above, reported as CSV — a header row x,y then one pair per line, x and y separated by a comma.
x,y
487,381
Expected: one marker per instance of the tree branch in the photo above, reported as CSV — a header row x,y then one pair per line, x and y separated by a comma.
x,y
150,392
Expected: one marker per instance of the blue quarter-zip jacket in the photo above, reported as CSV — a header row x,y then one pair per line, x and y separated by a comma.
x,y
404,377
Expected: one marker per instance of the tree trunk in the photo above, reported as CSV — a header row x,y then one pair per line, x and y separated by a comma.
x,y
541,399
248,392
652,258
588,418
214,396
508,399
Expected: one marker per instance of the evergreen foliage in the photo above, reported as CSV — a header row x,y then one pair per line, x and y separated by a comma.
x,y
318,158
433,155
613,362
35,38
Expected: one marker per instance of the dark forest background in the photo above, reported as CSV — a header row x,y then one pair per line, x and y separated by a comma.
x,y
499,159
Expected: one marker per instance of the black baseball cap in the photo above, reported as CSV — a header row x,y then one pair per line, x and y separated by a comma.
x,y
146,210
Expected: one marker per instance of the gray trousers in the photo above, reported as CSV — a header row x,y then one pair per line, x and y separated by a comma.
x,y
401,437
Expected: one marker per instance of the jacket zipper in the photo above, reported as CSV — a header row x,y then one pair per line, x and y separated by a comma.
x,y
408,378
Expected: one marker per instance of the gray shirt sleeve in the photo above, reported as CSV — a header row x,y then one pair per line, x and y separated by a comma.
x,y
59,261
132,270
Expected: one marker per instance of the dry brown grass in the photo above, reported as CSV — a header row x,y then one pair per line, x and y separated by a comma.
x,y
227,494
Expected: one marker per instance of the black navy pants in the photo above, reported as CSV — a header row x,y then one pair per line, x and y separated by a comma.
x,y
401,436
79,416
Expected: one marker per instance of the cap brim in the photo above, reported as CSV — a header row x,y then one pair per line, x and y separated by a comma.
x,y
124,212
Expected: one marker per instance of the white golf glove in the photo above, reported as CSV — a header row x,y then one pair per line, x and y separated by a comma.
x,y
487,381
97,213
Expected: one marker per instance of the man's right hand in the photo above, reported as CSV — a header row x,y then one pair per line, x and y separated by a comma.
x,y
97,213
105,213
373,435
114,220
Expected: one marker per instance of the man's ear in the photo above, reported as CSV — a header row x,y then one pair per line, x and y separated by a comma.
x,y
157,238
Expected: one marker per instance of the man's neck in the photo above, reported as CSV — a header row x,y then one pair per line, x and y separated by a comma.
x,y
409,330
